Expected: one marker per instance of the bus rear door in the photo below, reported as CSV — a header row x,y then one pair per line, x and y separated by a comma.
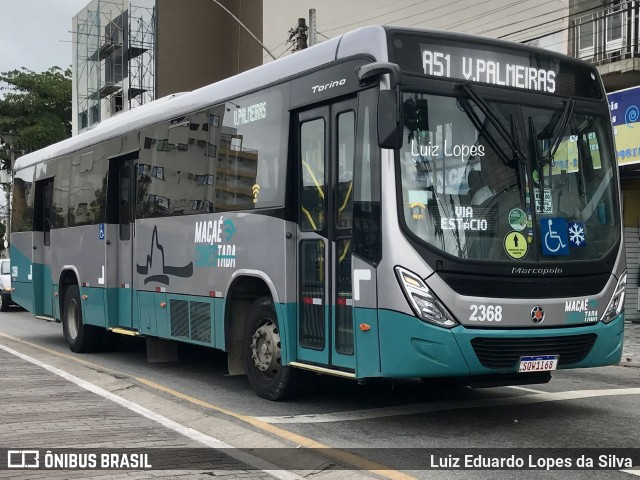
x,y
119,241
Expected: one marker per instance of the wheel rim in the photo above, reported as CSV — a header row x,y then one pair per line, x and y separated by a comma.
x,y
73,320
265,349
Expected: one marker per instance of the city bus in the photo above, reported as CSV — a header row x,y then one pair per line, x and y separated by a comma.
x,y
391,203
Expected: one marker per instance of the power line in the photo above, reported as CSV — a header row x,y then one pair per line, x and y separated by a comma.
x,y
598,7
394,7
397,20
502,9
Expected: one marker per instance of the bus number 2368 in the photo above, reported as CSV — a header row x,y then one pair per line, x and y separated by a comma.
x,y
485,313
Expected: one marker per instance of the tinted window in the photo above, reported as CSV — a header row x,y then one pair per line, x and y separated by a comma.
x,y
61,193
228,157
87,189
22,208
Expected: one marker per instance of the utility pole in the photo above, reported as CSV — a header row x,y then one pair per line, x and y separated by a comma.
x,y
313,29
298,35
9,138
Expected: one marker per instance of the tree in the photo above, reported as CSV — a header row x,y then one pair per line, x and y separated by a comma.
x,y
35,111
36,107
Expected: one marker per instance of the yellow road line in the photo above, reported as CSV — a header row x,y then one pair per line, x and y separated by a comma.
x,y
344,457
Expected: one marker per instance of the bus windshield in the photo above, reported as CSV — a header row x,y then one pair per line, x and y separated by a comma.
x,y
468,182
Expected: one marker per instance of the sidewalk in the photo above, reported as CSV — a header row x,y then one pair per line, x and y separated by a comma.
x,y
41,410
631,349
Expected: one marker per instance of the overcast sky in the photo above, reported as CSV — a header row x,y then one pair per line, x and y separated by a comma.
x,y
36,33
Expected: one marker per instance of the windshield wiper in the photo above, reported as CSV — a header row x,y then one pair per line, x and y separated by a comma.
x,y
565,119
468,91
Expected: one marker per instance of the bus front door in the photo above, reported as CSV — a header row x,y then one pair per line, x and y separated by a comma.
x,y
119,241
326,149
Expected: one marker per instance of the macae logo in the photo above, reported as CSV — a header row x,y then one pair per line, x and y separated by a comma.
x,y
212,239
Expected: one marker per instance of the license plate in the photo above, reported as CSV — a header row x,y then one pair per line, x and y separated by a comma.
x,y
538,363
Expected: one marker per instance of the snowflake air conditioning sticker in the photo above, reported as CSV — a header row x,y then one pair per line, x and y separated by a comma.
x,y
576,235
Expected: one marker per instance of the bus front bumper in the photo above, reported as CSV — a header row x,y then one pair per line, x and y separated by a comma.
x,y
410,347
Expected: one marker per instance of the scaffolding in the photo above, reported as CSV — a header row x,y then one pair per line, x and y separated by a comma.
x,y
115,71
141,55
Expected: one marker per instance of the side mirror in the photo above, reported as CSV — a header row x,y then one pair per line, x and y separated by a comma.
x,y
390,109
390,119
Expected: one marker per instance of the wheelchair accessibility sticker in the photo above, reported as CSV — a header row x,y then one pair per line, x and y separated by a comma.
x,y
555,237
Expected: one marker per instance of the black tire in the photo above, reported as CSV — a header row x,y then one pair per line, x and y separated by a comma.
x,y
81,338
268,377
4,303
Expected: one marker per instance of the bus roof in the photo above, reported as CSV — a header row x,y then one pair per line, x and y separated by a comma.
x,y
370,40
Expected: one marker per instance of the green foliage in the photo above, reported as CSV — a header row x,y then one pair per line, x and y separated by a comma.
x,y
36,107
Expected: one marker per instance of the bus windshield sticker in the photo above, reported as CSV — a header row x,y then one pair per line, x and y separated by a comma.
x,y
515,245
418,200
417,210
546,206
577,237
517,219
555,235
212,243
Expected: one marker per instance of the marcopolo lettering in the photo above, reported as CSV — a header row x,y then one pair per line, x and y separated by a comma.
x,y
332,84
536,271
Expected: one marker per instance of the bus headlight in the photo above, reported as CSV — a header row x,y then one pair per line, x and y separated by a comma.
x,y
425,304
616,304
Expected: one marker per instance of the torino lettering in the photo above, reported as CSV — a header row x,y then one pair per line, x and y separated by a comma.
x,y
322,88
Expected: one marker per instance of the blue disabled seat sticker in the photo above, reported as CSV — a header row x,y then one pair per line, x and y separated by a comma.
x,y
555,236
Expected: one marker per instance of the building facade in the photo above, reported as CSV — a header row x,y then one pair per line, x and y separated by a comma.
x,y
126,53
606,33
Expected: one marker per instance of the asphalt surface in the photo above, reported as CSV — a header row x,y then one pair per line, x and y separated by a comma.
x,y
593,408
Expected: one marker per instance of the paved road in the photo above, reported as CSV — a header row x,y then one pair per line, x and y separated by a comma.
x,y
578,409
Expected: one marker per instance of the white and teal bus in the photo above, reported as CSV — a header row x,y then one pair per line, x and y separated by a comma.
x,y
390,203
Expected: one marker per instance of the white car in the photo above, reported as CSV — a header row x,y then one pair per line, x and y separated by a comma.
x,y
5,285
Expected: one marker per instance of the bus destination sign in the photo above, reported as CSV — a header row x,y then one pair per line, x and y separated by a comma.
x,y
485,66
490,62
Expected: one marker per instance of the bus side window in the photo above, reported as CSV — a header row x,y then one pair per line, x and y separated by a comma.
x,y
47,210
346,153
124,202
43,208
312,158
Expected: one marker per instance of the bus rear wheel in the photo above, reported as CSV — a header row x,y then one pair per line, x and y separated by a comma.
x,y
80,337
263,353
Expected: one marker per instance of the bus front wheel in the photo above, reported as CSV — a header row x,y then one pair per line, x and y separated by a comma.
x,y
81,338
263,353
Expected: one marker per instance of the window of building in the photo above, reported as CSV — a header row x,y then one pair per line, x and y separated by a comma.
x,y
614,22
